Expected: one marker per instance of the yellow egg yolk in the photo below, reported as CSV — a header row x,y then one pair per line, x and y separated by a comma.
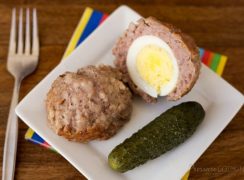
x,y
154,66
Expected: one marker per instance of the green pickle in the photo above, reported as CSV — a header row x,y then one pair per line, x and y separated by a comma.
x,y
165,132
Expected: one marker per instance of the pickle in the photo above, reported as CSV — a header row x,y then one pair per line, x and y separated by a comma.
x,y
165,132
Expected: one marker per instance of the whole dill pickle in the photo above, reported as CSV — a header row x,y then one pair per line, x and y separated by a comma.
x,y
162,134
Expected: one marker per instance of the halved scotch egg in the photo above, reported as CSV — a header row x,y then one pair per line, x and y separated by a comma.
x,y
158,60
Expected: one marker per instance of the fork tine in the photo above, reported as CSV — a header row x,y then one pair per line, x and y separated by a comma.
x,y
27,32
12,41
20,34
35,39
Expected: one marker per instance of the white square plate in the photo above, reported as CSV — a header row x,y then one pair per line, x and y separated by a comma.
x,y
220,100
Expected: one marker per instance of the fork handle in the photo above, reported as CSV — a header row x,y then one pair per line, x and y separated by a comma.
x,y
11,137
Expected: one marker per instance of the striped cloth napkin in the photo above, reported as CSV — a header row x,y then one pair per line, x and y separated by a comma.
x,y
89,21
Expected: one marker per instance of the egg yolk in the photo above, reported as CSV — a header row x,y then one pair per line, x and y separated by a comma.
x,y
154,66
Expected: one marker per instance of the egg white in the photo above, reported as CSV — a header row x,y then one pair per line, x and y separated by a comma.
x,y
133,51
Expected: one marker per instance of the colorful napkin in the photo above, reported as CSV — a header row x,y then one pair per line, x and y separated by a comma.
x,y
89,21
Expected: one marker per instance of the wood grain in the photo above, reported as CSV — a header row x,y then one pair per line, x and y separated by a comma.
x,y
218,26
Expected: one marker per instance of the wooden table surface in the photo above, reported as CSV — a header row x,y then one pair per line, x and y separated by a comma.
x,y
218,26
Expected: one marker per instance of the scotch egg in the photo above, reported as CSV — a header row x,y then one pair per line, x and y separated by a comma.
x,y
158,59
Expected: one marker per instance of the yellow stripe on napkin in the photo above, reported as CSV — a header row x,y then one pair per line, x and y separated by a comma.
x,y
78,31
221,66
29,133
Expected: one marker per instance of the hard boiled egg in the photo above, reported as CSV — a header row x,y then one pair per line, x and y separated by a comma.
x,y
152,65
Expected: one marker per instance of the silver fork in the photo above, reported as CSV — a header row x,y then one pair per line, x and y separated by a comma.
x,y
22,60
